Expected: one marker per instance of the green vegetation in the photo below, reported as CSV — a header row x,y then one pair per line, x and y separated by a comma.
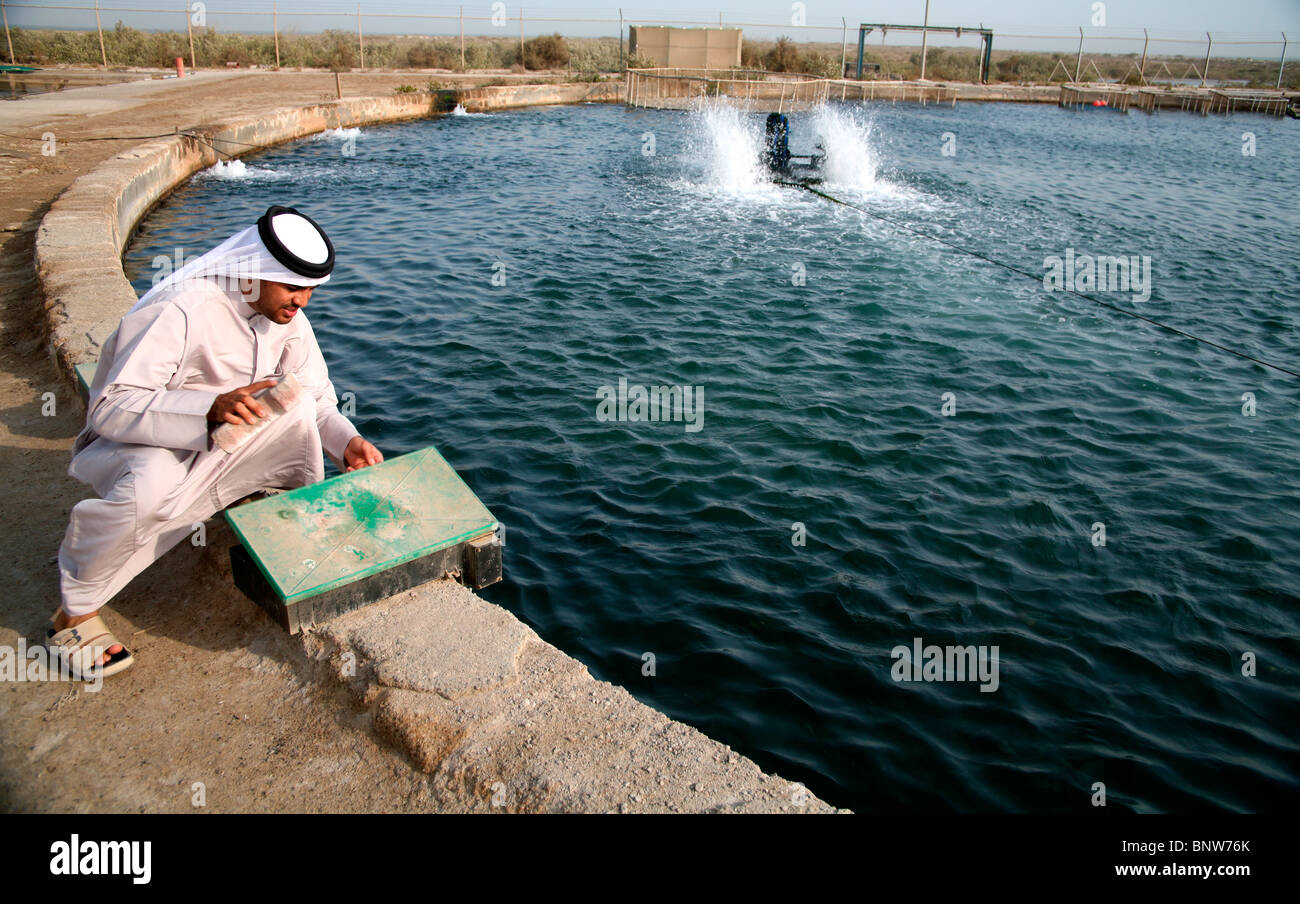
x,y
436,54
786,56
587,58
337,50
546,52
1013,66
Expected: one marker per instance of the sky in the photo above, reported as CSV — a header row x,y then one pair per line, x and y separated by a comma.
x,y
1178,26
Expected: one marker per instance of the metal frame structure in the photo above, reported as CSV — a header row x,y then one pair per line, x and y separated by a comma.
x,y
986,38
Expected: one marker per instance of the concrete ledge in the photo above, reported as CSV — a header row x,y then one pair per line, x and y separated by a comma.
x,y
500,97
471,695
496,715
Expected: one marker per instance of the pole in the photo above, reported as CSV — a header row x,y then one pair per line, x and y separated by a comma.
x,y
844,44
1205,70
338,86
1142,66
99,28
925,35
361,40
462,37
862,39
1281,65
1078,61
275,29
521,38
189,29
621,64
5,12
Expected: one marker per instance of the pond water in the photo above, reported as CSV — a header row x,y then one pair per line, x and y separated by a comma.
x,y
887,438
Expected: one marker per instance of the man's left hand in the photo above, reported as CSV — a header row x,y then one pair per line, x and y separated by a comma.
x,y
360,454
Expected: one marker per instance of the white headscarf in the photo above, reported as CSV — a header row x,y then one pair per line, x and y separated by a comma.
x,y
242,256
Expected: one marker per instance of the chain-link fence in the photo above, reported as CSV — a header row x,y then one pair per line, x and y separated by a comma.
x,y
339,35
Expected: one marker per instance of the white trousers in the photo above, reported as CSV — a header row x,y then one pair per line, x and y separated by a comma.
x,y
151,498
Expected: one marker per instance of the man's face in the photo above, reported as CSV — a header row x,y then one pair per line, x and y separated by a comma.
x,y
279,302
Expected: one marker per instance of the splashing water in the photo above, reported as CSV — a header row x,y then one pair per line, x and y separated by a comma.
x,y
236,171
338,135
728,143
845,134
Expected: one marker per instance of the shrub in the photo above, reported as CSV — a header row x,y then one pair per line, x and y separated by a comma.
x,y
487,56
428,55
595,56
546,52
338,51
784,57
821,65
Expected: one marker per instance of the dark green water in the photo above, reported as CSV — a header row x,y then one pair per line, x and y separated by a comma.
x,y
823,406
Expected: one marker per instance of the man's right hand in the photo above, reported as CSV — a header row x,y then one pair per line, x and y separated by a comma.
x,y
238,406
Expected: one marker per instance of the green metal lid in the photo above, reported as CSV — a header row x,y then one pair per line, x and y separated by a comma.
x,y
320,537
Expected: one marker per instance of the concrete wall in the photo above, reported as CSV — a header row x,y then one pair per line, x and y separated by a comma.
x,y
501,97
687,48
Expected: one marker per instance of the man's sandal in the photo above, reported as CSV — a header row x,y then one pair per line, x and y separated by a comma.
x,y
82,646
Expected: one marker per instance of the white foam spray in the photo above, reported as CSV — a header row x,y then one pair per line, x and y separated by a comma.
x,y
845,134
338,135
726,144
237,171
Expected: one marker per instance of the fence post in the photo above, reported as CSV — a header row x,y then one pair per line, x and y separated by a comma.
x,y
622,65
1205,70
1078,61
1142,67
462,38
189,30
521,38
925,35
360,40
99,28
844,44
1281,65
5,12
275,29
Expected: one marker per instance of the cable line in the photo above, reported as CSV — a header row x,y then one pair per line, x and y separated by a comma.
x,y
1038,279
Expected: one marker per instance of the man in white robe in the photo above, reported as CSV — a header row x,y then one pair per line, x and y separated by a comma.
x,y
188,357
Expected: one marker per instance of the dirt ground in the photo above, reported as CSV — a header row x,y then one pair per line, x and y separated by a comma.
x,y
218,695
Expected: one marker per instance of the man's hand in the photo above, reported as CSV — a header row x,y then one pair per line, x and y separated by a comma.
x,y
238,406
360,454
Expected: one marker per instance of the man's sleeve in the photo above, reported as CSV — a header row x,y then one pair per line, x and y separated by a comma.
x,y
137,407
307,362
